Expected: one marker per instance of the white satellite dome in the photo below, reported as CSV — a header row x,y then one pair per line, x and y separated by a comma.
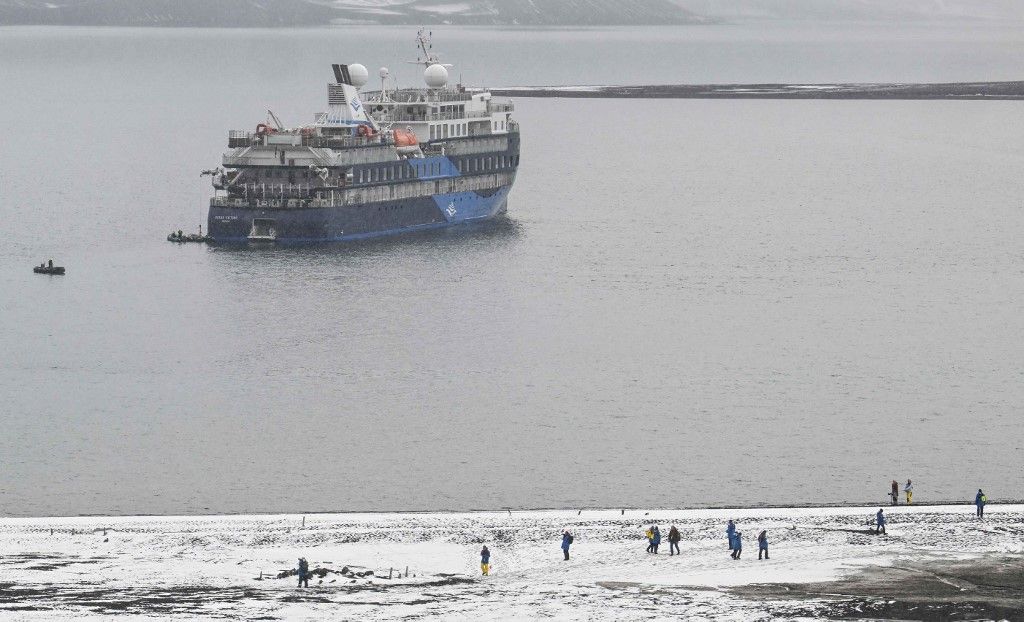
x,y
436,76
358,74
383,72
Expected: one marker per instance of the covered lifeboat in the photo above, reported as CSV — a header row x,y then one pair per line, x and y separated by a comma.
x,y
406,142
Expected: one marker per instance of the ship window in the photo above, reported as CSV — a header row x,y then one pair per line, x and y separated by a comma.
x,y
446,130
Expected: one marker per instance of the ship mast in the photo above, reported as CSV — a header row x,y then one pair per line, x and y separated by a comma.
x,y
429,58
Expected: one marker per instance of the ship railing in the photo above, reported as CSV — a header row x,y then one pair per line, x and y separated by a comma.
x,y
343,142
410,96
398,117
268,203
241,138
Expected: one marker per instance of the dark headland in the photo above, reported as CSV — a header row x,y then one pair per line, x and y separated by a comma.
x,y
939,90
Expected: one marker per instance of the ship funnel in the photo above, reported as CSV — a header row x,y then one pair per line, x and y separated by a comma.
x,y
354,75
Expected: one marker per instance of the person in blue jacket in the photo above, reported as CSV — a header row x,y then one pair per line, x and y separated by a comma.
x,y
657,539
730,530
879,522
566,541
979,501
737,545
762,544
303,572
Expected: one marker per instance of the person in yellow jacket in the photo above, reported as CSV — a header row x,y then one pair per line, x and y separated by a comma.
x,y
650,539
909,489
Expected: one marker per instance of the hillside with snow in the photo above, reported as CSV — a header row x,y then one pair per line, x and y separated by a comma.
x,y
260,13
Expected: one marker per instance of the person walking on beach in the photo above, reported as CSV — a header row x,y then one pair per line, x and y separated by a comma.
x,y
303,572
650,539
737,545
656,542
979,501
485,560
730,530
879,522
673,540
895,494
762,544
566,541
909,489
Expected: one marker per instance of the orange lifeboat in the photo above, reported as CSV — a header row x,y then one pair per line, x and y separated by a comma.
x,y
365,130
405,138
263,128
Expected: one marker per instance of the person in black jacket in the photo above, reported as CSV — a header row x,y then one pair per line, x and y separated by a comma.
x,y
673,540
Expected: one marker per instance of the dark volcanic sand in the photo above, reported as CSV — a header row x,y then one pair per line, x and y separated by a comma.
x,y
988,587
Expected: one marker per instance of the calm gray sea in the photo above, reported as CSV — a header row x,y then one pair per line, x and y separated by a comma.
x,y
690,303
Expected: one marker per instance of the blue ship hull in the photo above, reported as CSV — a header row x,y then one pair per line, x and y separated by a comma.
x,y
332,224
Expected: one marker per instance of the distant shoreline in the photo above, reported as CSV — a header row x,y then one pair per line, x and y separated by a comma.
x,y
1013,90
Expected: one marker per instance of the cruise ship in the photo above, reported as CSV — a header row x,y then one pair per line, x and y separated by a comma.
x,y
374,163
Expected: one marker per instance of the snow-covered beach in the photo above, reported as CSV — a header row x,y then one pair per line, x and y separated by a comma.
x,y
935,562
